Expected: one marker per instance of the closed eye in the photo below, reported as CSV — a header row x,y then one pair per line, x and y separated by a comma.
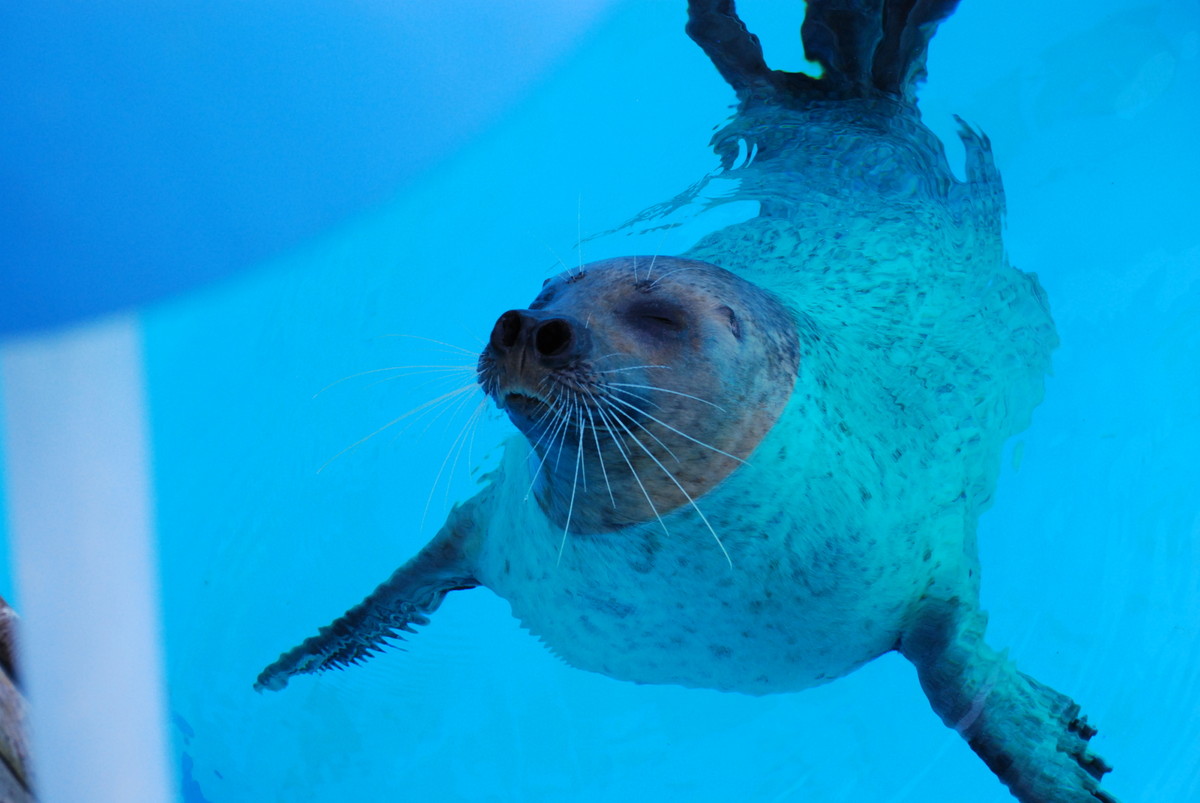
x,y
656,316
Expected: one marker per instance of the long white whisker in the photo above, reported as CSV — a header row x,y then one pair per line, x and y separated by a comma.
x,y
398,419
437,376
574,485
648,432
669,273
447,368
562,435
453,408
658,248
472,424
683,491
577,405
632,368
621,449
559,421
540,423
438,342
579,231
600,455
557,258
682,434
624,392
666,390
442,468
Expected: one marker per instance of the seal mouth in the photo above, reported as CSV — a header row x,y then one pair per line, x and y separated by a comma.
x,y
524,404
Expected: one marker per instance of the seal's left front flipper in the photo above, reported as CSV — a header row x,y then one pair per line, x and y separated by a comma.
x,y
1030,735
403,600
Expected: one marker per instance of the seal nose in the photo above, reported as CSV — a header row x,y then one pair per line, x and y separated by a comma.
x,y
506,331
555,339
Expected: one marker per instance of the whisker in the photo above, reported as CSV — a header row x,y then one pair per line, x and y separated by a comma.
x,y
469,431
540,420
600,455
557,258
631,394
621,449
579,231
398,419
637,409
457,442
559,421
439,376
574,485
438,342
662,238
666,390
578,406
632,368
453,409
648,432
562,437
686,495
670,273
392,368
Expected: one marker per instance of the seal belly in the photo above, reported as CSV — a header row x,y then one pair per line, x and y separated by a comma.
x,y
800,600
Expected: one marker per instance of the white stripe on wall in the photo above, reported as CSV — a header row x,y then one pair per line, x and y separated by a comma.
x,y
81,520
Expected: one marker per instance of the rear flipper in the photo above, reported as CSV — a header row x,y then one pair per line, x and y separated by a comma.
x,y
1030,735
866,48
403,600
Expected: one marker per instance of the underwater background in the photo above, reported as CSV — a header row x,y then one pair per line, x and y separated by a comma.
x,y
274,511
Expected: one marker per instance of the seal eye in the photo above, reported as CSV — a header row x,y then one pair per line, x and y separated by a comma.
x,y
735,325
657,317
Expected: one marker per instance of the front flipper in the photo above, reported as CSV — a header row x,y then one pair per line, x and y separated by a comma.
x,y
403,600
1027,733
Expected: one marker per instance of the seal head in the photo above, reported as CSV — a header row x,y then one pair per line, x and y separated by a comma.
x,y
641,383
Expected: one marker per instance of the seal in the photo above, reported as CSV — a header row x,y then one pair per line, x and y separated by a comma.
x,y
680,365
760,464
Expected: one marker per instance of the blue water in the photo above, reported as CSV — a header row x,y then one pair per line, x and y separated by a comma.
x,y
269,526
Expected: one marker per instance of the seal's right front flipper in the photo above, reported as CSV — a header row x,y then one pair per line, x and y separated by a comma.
x,y
1030,735
403,600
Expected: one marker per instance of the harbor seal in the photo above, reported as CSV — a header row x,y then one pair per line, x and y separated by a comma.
x,y
757,465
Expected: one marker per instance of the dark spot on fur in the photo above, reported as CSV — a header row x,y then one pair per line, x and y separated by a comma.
x,y
544,298
928,554
720,651
609,606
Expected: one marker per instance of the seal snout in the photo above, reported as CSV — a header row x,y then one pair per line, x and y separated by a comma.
x,y
553,340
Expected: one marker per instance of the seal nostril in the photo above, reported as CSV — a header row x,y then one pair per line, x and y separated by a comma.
x,y
506,331
553,338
